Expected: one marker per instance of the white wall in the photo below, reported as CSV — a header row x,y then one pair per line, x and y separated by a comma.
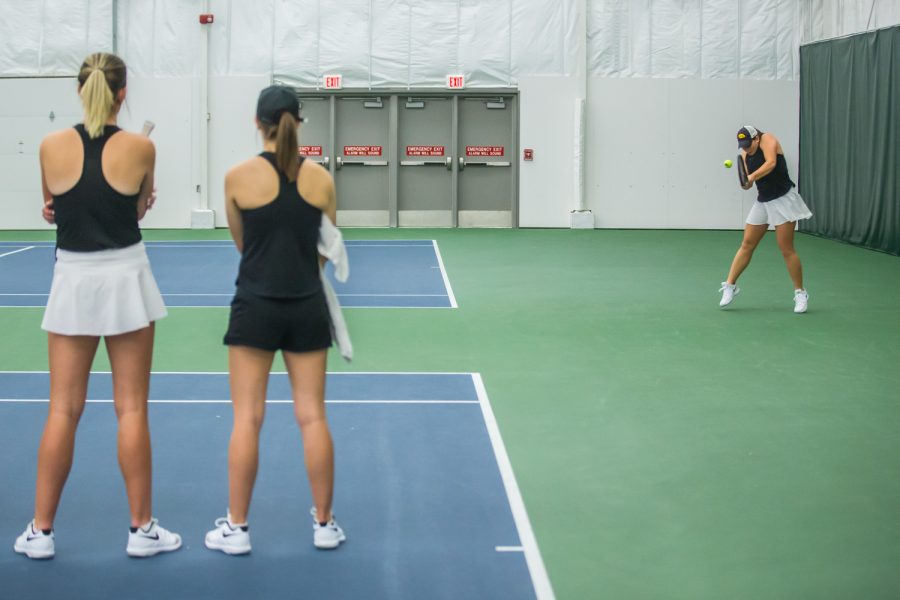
x,y
25,107
655,148
823,19
232,131
653,154
546,116
171,104
714,66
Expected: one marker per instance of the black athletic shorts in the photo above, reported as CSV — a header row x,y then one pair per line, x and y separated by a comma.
x,y
289,324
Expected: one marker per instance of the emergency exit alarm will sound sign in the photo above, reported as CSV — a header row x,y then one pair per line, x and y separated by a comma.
x,y
362,150
485,150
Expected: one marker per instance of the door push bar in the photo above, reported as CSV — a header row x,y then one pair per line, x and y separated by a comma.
x,y
480,163
324,162
340,162
447,162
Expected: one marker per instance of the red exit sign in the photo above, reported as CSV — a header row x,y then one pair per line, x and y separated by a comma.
x,y
333,82
456,82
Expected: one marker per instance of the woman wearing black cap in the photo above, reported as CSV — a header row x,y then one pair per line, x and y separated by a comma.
x,y
275,203
777,204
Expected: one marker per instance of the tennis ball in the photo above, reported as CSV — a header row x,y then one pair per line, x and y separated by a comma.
x,y
728,164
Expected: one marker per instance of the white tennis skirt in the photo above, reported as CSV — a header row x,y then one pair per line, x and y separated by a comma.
x,y
789,207
107,292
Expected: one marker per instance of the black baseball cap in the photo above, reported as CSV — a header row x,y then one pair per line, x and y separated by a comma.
x,y
276,100
745,136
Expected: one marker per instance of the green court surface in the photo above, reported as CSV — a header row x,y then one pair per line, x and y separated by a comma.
x,y
665,448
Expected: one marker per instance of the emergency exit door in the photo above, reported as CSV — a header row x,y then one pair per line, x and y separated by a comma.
x,y
361,164
314,136
425,146
487,165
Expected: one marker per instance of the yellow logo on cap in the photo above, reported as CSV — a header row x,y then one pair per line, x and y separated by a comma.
x,y
741,136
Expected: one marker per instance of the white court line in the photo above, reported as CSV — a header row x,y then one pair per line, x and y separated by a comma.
x,y
437,252
216,295
339,295
539,577
16,251
225,306
225,373
161,401
227,244
509,549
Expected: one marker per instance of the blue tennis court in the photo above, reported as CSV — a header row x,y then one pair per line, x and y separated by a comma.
x,y
383,273
424,491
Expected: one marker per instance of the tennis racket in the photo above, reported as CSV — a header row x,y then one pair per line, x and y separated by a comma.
x,y
742,170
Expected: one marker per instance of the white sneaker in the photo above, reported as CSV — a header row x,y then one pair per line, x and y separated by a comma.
x,y
327,536
151,539
801,301
729,291
229,538
34,543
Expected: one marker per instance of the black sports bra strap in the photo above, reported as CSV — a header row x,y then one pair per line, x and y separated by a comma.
x,y
270,157
93,148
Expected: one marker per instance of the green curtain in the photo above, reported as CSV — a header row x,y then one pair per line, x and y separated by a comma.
x,y
849,138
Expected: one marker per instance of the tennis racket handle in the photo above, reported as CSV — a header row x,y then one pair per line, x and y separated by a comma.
x,y
148,127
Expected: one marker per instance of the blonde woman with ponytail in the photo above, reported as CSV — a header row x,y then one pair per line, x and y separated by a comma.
x,y
275,204
97,184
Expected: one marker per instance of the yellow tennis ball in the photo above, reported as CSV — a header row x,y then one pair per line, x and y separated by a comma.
x,y
728,164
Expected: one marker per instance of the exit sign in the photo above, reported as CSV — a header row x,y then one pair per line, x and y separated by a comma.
x,y
333,82
456,82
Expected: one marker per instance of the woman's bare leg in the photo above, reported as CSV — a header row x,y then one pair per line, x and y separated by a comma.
x,y
753,234
249,375
130,356
70,365
784,234
307,373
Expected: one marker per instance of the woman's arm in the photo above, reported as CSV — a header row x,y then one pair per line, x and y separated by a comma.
x,y
769,146
47,212
331,208
235,223
147,194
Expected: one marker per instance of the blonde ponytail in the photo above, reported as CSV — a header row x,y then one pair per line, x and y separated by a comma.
x,y
286,146
101,77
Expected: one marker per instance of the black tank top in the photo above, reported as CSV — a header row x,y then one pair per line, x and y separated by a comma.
x,y
774,185
92,215
280,258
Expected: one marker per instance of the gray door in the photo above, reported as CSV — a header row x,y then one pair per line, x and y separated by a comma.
x,y
487,155
315,134
425,179
361,161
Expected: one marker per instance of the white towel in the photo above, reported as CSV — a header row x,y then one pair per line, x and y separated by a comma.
x,y
331,246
